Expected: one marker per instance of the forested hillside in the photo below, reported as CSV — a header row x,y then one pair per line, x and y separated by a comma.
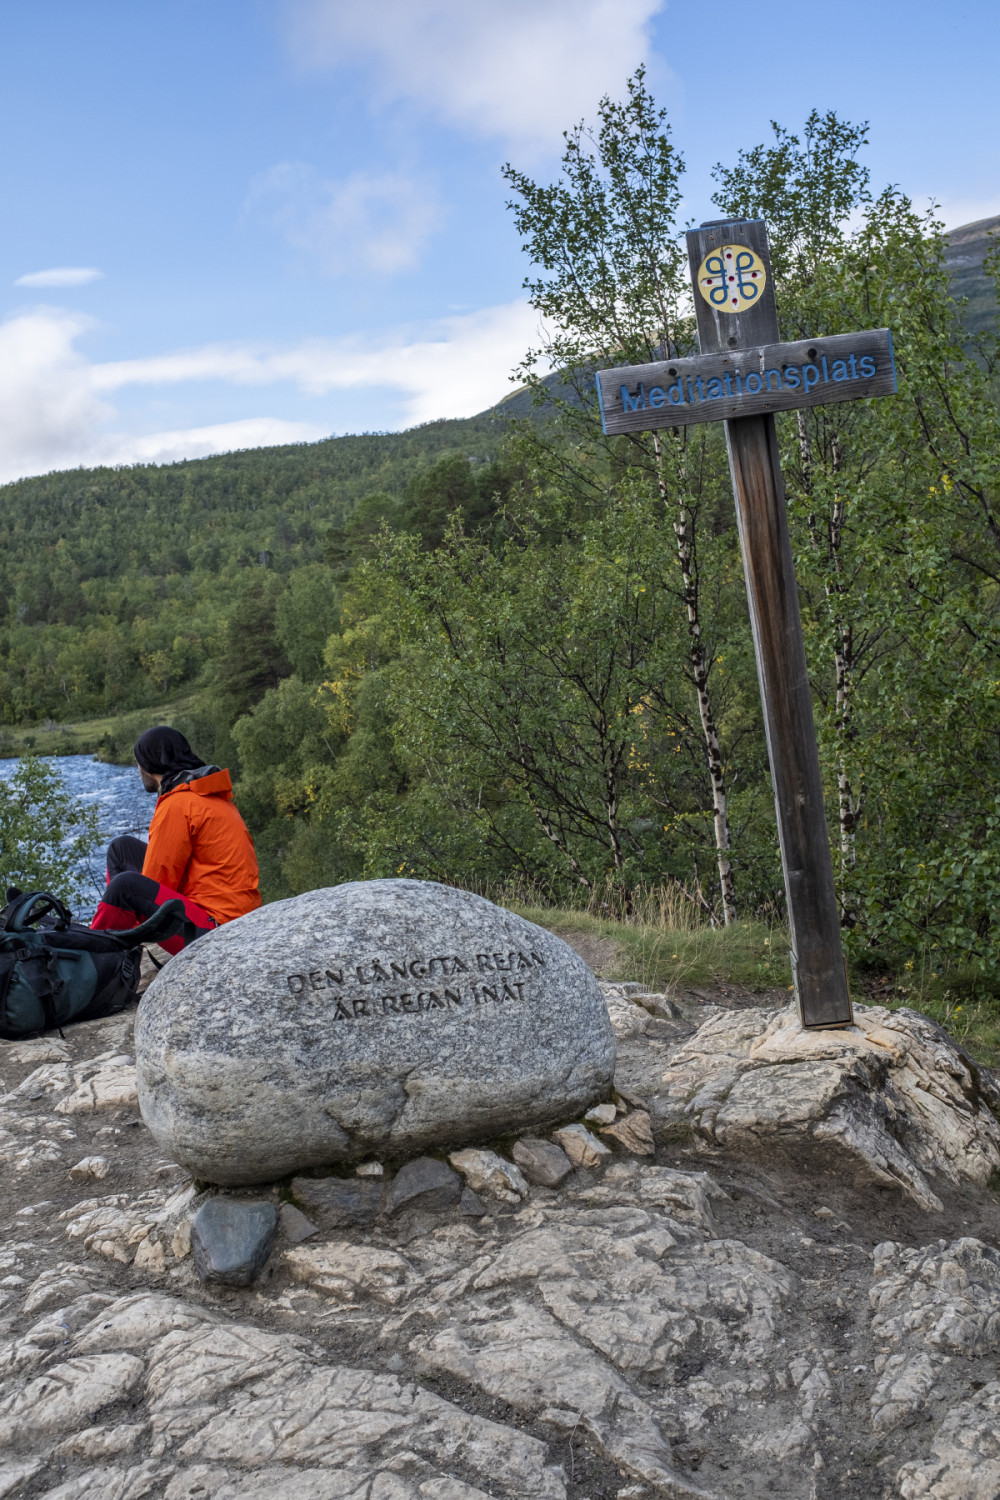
x,y
116,584
511,650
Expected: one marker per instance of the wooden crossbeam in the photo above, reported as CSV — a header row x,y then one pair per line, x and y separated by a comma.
x,y
747,382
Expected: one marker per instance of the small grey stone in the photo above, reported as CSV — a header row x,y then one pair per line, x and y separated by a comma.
x,y
659,1005
294,1225
542,1162
660,1031
601,1114
340,1200
424,1183
371,1020
470,1203
582,1148
232,1240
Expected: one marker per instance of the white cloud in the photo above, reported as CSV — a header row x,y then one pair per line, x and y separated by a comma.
x,y
374,222
199,442
453,367
61,276
49,409
55,412
956,212
522,71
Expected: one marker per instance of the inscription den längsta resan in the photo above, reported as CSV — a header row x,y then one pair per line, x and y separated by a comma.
x,y
474,991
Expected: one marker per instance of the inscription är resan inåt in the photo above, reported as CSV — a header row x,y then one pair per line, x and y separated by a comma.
x,y
374,972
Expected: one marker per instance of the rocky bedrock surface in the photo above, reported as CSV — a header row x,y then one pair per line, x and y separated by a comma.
x,y
768,1266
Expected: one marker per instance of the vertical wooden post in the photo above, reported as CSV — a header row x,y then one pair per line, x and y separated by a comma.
x,y
818,966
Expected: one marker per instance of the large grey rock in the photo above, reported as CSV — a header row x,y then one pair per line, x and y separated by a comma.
x,y
375,1018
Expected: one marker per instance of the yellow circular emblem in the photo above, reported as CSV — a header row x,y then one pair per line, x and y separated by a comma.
x,y
731,278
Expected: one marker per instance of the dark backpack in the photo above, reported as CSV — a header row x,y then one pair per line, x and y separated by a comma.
x,y
53,971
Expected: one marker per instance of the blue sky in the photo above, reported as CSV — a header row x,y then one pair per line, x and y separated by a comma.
x,y
234,222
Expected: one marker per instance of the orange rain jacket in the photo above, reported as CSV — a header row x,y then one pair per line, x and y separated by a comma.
x,y
200,847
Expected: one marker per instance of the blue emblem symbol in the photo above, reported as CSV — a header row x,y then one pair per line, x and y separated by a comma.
x,y
732,278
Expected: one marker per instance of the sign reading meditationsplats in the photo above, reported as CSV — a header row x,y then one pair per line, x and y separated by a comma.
x,y
743,376
746,382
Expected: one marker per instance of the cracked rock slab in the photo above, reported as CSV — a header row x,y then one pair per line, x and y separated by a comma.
x,y
893,1098
528,1360
67,1394
113,1086
625,1296
936,1311
151,1227
229,1409
965,1454
381,1017
945,1295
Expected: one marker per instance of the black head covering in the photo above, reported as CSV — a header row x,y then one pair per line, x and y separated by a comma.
x,y
161,751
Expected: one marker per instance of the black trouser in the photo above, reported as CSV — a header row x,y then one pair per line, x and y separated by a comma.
x,y
131,897
125,853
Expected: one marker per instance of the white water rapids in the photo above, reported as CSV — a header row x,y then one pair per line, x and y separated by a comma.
x,y
122,806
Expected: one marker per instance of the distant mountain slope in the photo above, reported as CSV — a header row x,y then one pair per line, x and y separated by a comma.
x,y
521,403
967,245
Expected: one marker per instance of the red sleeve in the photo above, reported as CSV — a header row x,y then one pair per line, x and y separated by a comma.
x,y
170,847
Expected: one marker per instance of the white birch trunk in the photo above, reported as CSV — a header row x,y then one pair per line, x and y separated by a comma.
x,y
699,672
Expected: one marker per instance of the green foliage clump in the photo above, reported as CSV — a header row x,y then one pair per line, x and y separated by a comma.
x,y
44,832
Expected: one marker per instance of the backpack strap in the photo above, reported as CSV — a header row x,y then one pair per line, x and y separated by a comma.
x,y
163,923
30,907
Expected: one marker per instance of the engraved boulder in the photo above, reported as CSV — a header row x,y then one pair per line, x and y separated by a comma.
x,y
382,1017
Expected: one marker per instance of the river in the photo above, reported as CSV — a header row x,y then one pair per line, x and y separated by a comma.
x,y
122,807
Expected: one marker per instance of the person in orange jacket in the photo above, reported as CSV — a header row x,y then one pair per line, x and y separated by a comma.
x,y
199,849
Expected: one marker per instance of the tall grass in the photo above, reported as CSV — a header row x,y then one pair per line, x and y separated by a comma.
x,y
673,906
964,1001
661,936
664,938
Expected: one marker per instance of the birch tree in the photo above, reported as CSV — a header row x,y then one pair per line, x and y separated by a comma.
x,y
895,516
536,686
611,287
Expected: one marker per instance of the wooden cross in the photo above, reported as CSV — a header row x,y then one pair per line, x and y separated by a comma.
x,y
742,376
